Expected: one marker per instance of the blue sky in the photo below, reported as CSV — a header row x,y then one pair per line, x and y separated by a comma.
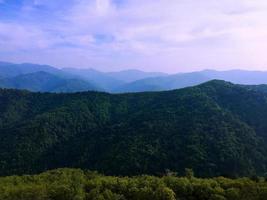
x,y
150,35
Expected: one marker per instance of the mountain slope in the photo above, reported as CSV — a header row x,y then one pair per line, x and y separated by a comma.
x,y
128,76
259,88
8,70
46,82
182,80
164,83
238,76
100,79
213,128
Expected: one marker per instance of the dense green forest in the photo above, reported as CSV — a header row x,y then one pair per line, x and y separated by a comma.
x,y
70,184
217,129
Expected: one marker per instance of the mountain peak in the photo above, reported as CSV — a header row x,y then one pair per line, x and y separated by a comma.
x,y
217,82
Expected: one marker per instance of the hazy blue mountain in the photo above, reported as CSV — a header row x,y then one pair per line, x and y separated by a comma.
x,y
238,76
129,80
46,82
100,79
194,78
134,75
12,70
165,83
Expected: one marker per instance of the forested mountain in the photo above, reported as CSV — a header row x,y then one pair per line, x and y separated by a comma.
x,y
259,88
216,128
46,82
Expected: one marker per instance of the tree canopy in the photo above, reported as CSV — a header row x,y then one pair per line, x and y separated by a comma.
x,y
216,129
74,184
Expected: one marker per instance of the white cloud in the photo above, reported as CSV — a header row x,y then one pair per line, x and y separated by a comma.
x,y
14,37
188,33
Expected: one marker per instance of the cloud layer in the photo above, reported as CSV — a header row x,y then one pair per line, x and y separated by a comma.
x,y
172,36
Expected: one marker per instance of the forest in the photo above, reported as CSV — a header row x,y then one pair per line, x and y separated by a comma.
x,y
75,184
216,129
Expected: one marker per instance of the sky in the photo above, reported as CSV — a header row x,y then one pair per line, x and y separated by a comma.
x,y
150,35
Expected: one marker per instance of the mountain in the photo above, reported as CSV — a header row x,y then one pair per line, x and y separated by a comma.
x,y
238,76
259,88
132,80
182,80
164,83
216,128
8,70
100,79
132,75
46,82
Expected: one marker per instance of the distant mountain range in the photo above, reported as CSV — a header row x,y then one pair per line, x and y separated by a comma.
x,y
46,82
46,78
12,70
134,75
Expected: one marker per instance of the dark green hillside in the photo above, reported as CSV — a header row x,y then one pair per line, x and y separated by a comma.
x,y
246,102
216,128
259,88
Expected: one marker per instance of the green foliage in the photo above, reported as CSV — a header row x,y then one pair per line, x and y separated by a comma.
x,y
189,173
215,129
69,184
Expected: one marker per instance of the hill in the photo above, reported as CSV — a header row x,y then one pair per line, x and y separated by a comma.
x,y
164,83
182,80
46,82
98,78
128,76
8,70
216,128
238,76
259,88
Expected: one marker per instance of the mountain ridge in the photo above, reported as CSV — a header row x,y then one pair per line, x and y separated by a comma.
x,y
41,81
216,128
135,80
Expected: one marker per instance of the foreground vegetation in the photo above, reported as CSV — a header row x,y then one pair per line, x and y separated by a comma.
x,y
73,184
